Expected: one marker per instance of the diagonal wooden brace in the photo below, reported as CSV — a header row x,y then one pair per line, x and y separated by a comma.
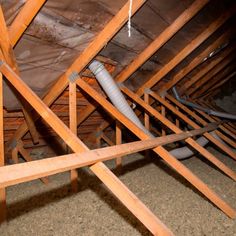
x,y
99,169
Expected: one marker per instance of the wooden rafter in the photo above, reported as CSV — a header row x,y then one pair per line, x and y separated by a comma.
x,y
203,72
195,62
169,32
23,19
219,84
219,74
211,74
186,51
164,154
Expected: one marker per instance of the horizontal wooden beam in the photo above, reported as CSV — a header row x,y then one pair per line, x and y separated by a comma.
x,y
23,172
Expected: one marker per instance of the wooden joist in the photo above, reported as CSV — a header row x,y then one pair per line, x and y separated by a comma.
x,y
164,154
152,223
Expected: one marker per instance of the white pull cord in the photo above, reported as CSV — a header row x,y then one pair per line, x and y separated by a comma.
x,y
130,14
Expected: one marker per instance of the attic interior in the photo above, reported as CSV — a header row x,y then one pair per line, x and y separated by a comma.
x,y
118,115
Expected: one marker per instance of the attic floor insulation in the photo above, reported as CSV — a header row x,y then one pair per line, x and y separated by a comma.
x,y
37,209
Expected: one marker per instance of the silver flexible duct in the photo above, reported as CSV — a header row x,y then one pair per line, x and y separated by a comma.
x,y
119,101
209,111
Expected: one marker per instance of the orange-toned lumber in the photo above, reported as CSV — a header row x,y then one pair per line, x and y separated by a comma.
x,y
226,129
107,140
197,117
88,54
210,75
23,19
14,155
99,169
3,205
146,116
219,84
195,62
118,141
23,172
163,112
73,128
8,54
25,154
212,139
164,154
174,128
215,107
161,39
206,69
211,81
228,140
186,51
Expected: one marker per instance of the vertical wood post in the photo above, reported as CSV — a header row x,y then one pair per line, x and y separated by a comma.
x,y
3,206
73,128
118,141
